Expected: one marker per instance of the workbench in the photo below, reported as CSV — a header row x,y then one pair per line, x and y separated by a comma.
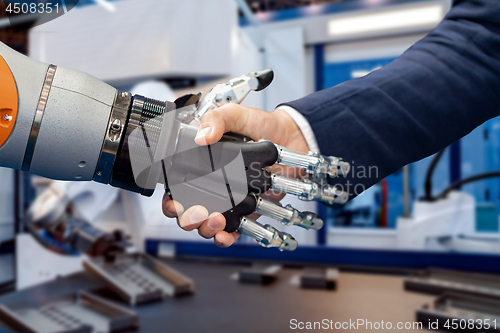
x,y
222,304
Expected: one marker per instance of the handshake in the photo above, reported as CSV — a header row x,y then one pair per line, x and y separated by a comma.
x,y
223,165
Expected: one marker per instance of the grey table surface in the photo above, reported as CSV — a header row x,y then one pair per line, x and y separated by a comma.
x,y
221,304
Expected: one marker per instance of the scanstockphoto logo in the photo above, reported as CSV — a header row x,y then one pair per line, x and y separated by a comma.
x,y
25,14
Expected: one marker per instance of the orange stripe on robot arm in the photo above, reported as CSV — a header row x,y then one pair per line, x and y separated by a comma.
x,y
8,101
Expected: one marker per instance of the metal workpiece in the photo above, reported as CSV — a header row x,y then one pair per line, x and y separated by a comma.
x,y
83,237
114,135
314,163
438,281
288,215
308,190
462,310
267,236
37,121
232,91
56,222
139,278
81,312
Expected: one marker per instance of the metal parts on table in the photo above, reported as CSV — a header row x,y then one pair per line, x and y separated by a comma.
x,y
76,313
438,281
319,278
461,313
259,274
139,278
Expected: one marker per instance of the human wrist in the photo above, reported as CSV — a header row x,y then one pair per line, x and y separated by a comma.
x,y
292,133
303,126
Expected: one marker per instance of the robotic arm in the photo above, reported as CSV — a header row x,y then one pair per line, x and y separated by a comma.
x,y
62,220
67,125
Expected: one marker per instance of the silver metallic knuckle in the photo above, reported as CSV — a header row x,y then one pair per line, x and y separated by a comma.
x,y
333,195
267,236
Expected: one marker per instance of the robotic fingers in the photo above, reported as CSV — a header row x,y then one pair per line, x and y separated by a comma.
x,y
233,91
306,189
288,215
267,236
317,165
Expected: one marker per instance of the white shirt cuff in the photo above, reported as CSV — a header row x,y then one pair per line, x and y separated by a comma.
x,y
303,125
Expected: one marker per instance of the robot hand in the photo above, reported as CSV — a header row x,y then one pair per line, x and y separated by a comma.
x,y
230,175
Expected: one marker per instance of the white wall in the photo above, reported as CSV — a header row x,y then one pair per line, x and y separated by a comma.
x,y
141,39
247,57
285,54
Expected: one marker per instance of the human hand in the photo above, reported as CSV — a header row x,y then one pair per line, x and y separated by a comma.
x,y
276,126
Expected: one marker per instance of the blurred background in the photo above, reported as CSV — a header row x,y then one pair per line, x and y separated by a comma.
x,y
164,49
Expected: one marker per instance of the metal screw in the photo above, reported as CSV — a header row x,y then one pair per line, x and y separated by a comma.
x,y
99,173
116,126
124,94
7,117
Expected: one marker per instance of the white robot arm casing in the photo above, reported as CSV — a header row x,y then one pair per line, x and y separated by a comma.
x,y
65,129
73,142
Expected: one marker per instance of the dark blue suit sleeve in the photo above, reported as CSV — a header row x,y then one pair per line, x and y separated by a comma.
x,y
438,91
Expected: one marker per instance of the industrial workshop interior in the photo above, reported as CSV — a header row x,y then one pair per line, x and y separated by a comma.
x,y
249,166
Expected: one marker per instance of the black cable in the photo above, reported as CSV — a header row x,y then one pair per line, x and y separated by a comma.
x,y
468,180
428,178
